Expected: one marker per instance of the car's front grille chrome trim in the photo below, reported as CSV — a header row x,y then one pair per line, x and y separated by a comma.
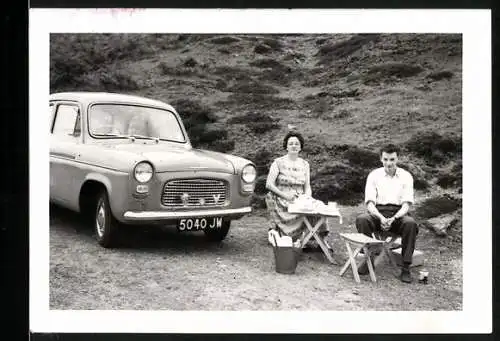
x,y
152,215
198,192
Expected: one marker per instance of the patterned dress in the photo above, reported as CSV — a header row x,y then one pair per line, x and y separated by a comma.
x,y
291,178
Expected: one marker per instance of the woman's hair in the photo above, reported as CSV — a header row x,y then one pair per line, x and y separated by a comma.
x,y
293,134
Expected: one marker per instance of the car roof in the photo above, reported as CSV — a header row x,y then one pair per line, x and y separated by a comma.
x,y
88,97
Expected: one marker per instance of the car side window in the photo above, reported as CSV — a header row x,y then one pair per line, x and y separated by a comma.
x,y
67,121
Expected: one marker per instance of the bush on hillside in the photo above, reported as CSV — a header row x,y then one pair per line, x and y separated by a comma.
x,y
118,81
361,157
256,101
262,49
420,176
260,185
438,75
388,71
329,52
339,182
253,87
263,159
433,147
258,122
451,178
218,145
73,55
198,120
232,73
436,206
224,40
273,43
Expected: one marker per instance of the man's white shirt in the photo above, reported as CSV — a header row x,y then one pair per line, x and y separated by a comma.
x,y
383,189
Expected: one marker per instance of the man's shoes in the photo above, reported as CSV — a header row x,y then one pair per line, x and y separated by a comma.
x,y
405,275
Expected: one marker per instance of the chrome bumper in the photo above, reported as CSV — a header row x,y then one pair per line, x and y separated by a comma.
x,y
160,215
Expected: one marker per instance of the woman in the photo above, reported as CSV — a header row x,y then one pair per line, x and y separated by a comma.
x,y
289,177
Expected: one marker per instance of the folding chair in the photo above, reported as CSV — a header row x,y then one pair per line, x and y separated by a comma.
x,y
368,245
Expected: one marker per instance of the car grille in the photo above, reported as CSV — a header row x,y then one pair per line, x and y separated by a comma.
x,y
195,193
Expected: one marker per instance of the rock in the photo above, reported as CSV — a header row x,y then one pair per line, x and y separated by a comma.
x,y
442,223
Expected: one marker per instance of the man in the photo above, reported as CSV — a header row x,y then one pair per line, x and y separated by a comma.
x,y
388,197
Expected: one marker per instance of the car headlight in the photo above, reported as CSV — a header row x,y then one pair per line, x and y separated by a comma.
x,y
143,172
249,173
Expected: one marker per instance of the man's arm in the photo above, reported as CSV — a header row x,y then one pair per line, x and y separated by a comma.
x,y
371,198
407,199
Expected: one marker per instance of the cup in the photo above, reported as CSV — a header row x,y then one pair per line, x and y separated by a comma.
x,y
423,276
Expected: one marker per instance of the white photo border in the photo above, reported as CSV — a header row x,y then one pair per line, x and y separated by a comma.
x,y
475,27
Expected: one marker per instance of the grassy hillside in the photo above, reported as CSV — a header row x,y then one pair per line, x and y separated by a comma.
x,y
346,93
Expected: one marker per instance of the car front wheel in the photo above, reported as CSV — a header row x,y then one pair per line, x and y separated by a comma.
x,y
105,225
220,234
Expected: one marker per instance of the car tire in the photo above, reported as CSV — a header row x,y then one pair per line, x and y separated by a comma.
x,y
105,225
217,235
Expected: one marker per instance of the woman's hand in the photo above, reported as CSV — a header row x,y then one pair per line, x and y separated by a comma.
x,y
289,196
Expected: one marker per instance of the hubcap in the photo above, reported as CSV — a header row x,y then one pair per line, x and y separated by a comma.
x,y
100,219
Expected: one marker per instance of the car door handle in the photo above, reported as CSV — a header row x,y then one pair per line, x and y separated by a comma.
x,y
64,155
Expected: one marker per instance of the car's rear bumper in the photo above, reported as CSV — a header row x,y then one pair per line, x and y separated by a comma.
x,y
165,215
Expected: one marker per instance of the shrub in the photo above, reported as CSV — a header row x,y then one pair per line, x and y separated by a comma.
x,y
250,117
196,118
419,175
258,202
383,72
262,49
269,63
253,87
224,40
343,113
260,185
436,76
436,206
223,146
362,157
273,43
257,101
433,147
118,81
452,178
232,73
339,182
262,159
190,62
263,127
342,49
257,122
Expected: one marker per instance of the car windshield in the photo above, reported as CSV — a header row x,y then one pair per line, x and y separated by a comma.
x,y
123,120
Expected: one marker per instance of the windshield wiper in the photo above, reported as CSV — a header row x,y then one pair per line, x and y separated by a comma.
x,y
112,135
136,136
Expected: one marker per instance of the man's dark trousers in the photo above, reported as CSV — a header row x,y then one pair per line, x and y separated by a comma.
x,y
406,227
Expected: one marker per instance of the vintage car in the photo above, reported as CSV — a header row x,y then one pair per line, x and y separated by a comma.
x,y
121,159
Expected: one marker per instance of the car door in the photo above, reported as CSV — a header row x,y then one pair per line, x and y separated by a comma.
x,y
65,142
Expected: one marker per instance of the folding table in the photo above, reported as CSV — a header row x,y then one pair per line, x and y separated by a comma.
x,y
323,216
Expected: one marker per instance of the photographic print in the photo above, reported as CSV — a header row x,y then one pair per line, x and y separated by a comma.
x,y
265,172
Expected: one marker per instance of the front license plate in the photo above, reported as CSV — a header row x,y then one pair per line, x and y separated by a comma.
x,y
196,224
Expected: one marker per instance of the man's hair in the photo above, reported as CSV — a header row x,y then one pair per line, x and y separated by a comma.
x,y
389,149
293,134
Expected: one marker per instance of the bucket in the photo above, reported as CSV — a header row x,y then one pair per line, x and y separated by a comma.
x,y
285,258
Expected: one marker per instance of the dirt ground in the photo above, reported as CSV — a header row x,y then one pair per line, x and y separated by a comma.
x,y
165,270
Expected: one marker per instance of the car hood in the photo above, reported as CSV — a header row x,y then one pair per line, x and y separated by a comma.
x,y
167,158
